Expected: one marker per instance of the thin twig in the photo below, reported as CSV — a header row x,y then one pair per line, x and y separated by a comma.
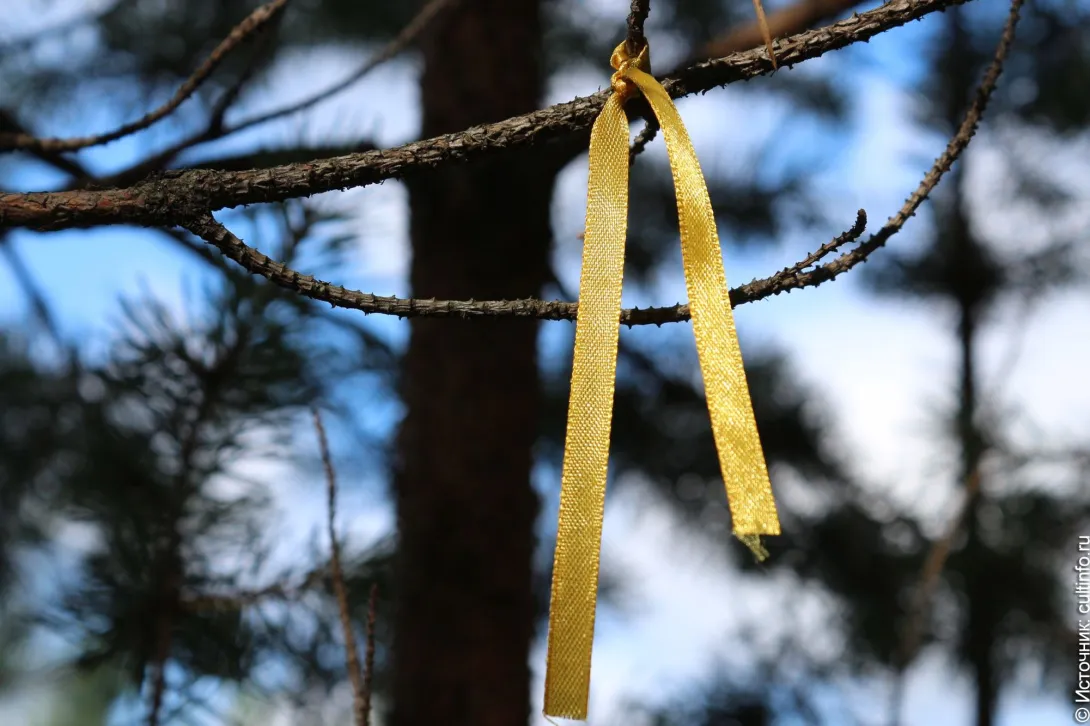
x,y
643,138
635,41
832,246
391,50
60,162
924,593
215,129
933,565
355,673
231,95
255,21
257,263
175,197
369,659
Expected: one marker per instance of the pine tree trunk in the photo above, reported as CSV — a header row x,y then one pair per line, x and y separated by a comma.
x,y
465,505
982,622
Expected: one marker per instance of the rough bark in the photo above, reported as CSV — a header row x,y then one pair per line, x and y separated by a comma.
x,y
465,504
178,197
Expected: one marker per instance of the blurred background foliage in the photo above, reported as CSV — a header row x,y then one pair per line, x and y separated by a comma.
x,y
123,518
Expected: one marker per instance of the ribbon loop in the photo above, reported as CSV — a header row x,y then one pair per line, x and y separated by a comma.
x,y
621,61
590,408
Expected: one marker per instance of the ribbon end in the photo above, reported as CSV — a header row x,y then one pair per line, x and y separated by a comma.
x,y
753,542
568,714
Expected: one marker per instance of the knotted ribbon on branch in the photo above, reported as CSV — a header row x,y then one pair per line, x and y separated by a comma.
x,y
590,408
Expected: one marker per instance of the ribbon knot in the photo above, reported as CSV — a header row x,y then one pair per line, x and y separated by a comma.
x,y
590,408
622,60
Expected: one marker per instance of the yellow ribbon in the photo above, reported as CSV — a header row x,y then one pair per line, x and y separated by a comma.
x,y
590,408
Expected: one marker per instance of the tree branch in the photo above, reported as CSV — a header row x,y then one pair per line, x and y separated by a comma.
x,y
636,41
251,24
11,125
215,129
175,197
791,278
257,263
956,145
643,138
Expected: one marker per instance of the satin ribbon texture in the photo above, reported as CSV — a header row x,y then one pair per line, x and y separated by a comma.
x,y
590,408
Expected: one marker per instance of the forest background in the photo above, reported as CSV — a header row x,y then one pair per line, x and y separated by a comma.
x,y
159,466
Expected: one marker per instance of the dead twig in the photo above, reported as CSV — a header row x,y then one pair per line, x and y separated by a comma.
x,y
355,673
762,23
786,21
369,659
